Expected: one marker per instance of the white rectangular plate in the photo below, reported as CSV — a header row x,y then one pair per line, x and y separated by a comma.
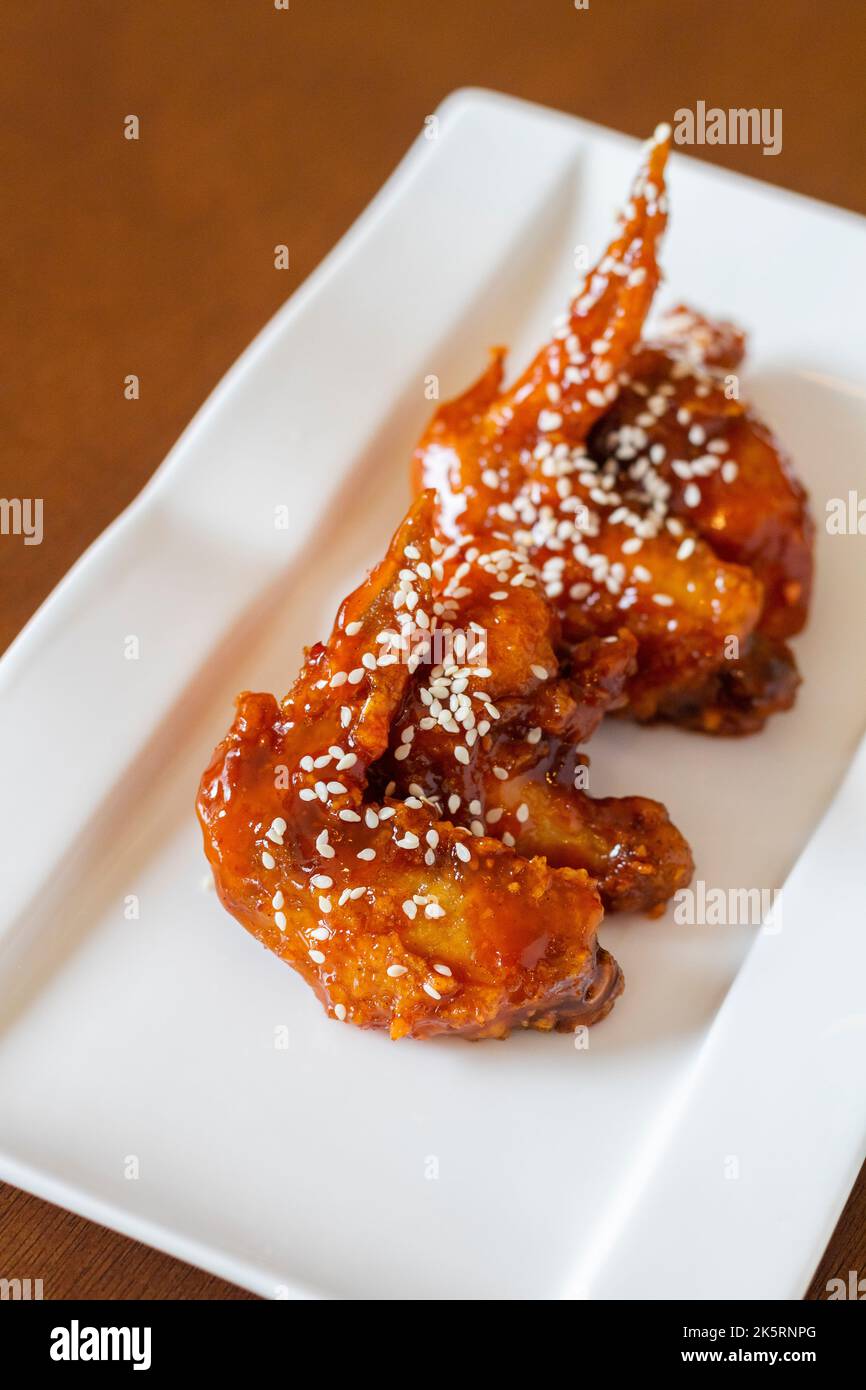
x,y
705,1142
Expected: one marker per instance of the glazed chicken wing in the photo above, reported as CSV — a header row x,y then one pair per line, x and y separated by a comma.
x,y
615,532
679,420
646,498
397,917
491,735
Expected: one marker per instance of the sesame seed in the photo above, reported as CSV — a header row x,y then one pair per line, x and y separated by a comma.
x,y
539,671
277,900
348,760
317,957
324,904
356,675
692,494
322,845
338,678
352,629
395,971
522,812
280,919
268,860
409,841
442,969
429,989
349,815
462,852
663,600
549,420
410,909
686,549
320,933
367,854
461,754
434,910
321,881
340,1011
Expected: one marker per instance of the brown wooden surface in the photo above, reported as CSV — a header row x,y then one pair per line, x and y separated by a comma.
x,y
259,127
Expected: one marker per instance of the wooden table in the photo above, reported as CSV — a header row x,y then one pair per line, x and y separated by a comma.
x,y
261,126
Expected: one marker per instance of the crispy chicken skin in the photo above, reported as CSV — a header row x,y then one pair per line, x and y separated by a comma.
x,y
648,496
397,917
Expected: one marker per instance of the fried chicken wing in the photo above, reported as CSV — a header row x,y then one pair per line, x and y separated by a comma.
x,y
496,742
397,917
615,532
647,499
728,480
